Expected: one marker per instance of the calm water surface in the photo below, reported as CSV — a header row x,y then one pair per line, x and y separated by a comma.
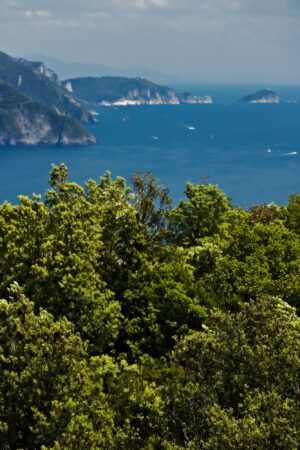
x,y
251,151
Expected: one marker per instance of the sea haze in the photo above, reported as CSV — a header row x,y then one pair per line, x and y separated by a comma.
x,y
251,151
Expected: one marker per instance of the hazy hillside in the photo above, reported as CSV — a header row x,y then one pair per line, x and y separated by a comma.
x,y
24,121
40,83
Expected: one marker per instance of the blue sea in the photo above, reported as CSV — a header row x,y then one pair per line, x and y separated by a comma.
x,y
252,151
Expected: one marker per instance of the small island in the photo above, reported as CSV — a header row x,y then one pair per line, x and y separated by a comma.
x,y
263,96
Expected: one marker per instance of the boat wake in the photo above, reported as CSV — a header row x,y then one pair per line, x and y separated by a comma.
x,y
290,154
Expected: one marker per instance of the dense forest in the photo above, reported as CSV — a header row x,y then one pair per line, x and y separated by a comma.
x,y
127,323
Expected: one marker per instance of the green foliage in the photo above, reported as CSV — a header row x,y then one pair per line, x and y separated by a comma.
x,y
241,380
265,421
148,327
159,305
201,215
246,258
48,392
153,204
294,213
57,265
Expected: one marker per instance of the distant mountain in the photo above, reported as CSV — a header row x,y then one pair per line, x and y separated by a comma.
x,y
108,91
67,70
25,121
41,84
263,96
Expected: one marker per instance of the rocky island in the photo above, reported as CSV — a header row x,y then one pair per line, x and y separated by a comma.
x,y
123,91
263,96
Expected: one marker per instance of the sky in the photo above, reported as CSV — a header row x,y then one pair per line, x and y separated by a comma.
x,y
205,41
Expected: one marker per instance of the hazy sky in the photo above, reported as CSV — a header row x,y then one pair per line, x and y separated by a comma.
x,y
205,40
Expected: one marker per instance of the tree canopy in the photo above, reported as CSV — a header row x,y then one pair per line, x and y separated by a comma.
x,y
127,323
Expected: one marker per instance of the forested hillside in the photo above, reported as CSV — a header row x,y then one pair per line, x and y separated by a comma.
x,y
127,323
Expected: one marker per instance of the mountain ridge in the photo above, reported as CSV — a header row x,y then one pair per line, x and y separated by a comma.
x,y
36,109
71,69
35,80
124,91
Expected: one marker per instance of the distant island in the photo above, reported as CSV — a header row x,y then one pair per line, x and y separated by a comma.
x,y
123,91
37,108
263,96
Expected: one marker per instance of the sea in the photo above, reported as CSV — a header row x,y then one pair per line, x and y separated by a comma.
x,y
251,151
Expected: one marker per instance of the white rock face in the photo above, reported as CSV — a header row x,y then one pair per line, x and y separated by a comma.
x,y
73,101
266,100
193,99
47,72
32,131
137,98
205,99
153,101
43,70
57,110
68,87
65,140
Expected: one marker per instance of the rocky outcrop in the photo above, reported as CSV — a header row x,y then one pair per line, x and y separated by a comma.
x,y
41,69
263,96
41,84
24,121
190,98
122,91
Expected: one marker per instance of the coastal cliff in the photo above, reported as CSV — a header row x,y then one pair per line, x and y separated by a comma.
x,y
41,84
122,91
36,109
24,121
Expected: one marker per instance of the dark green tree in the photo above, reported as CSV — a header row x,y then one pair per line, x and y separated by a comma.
x,y
293,210
49,396
200,215
153,205
240,387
